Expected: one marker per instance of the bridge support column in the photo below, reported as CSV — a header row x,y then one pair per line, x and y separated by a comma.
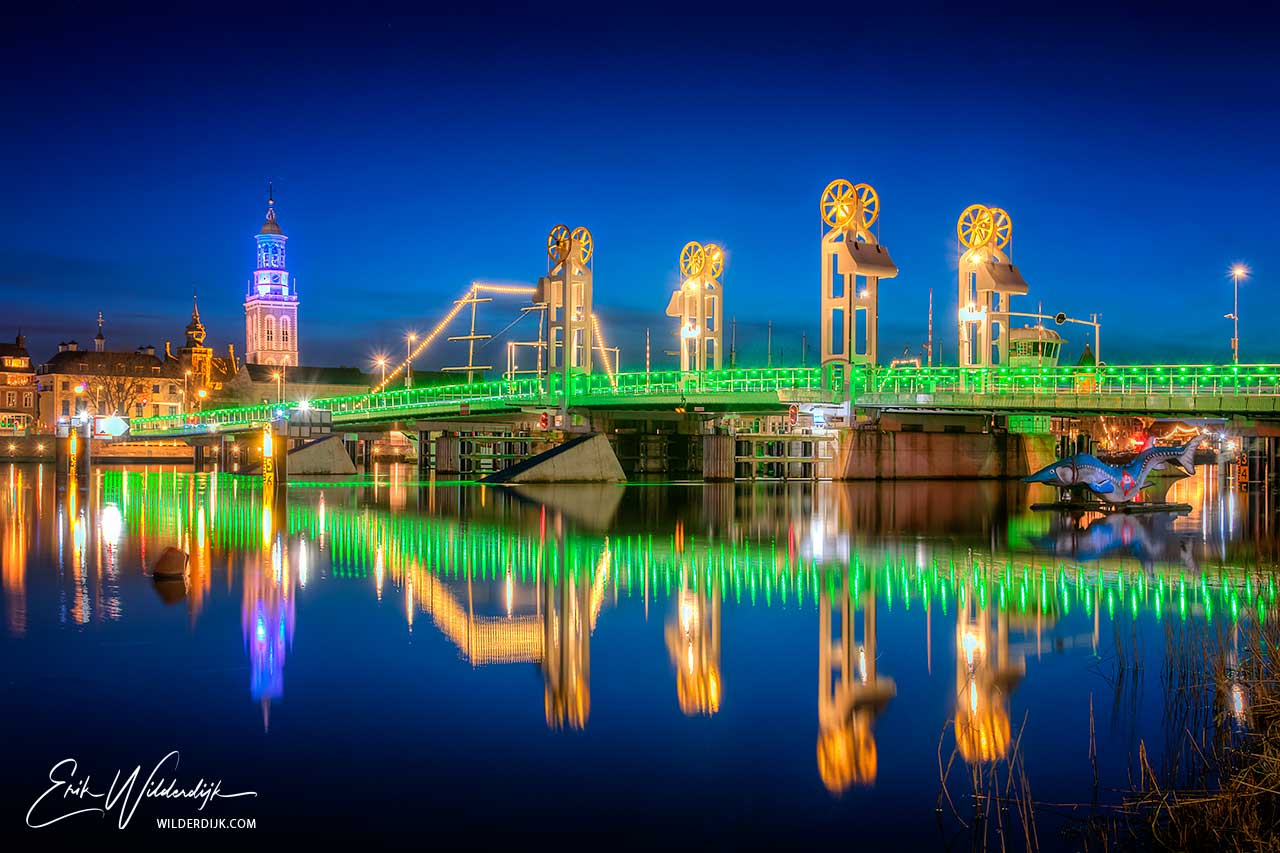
x,y
717,457
1256,450
448,454
424,454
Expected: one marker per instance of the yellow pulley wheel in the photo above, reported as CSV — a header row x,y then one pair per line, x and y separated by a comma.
x,y
558,243
582,237
715,259
868,207
838,204
975,226
692,259
1002,225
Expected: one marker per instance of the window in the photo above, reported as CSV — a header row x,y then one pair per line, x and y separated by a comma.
x,y
16,361
271,330
155,389
284,330
66,386
66,408
28,400
173,389
11,399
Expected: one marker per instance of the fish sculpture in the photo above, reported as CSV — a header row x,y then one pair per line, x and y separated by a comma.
x,y
1115,484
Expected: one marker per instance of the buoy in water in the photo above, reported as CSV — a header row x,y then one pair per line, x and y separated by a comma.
x,y
171,564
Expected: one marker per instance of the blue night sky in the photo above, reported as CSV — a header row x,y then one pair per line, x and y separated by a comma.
x,y
412,156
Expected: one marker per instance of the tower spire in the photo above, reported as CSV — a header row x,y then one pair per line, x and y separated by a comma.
x,y
271,226
195,306
99,340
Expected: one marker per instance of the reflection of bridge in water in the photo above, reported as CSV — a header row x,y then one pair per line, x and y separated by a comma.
x,y
512,581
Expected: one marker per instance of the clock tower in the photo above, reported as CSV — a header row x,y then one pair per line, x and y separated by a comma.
x,y
271,304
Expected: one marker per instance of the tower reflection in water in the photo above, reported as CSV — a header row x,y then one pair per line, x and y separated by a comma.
x,y
985,677
851,692
267,615
693,641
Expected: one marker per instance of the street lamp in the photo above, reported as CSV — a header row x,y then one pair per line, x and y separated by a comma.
x,y
1238,272
382,365
277,376
202,393
408,358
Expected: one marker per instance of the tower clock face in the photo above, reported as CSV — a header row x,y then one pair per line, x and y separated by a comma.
x,y
275,279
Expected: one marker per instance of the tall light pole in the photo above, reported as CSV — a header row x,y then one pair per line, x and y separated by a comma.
x,y
408,359
1238,272
277,376
185,376
382,364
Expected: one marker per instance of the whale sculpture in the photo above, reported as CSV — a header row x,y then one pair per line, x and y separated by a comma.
x,y
1115,484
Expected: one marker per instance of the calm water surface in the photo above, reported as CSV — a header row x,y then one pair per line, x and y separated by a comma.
x,y
442,660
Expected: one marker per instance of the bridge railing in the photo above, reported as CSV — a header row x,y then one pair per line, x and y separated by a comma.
x,y
210,420
1168,379
673,382
436,396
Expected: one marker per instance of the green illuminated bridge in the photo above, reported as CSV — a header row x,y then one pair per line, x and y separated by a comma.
x,y
1246,390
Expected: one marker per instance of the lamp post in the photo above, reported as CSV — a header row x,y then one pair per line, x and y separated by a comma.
x,y
382,365
408,359
1238,272
202,393
277,376
185,376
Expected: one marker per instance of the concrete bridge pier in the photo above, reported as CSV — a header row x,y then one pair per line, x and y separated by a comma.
x,y
445,458
1260,458
358,449
717,457
448,454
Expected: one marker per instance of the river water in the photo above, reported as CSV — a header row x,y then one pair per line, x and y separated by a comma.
x,y
659,660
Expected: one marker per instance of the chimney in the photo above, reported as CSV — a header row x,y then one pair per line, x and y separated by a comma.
x,y
73,346
151,351
62,346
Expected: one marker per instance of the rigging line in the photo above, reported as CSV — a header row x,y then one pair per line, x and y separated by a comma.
x,y
493,338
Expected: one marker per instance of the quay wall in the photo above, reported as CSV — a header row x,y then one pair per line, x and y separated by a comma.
x,y
874,454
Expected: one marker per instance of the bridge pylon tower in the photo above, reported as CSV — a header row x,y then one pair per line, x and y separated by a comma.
x,y
853,263
566,291
699,305
987,281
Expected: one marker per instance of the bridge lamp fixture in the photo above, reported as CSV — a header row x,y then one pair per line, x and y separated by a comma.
x,y
304,405
1238,272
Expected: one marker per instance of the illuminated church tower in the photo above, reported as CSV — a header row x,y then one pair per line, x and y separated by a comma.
x,y
271,305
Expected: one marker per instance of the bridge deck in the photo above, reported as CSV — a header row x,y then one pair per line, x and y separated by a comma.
x,y
1195,390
